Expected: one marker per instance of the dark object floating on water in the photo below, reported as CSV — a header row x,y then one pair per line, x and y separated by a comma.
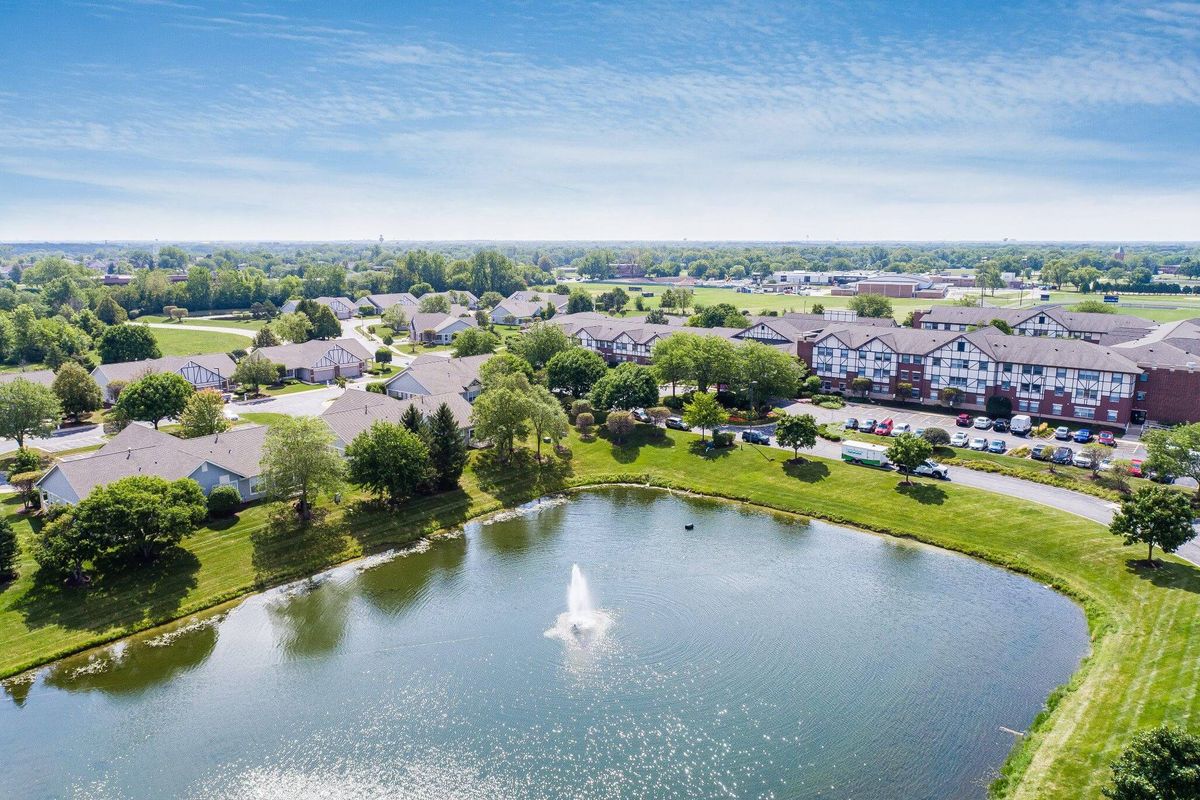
x,y
688,526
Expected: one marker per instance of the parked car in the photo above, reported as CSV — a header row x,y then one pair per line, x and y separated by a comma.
x,y
677,423
884,428
230,414
997,446
901,427
1106,438
641,416
1000,426
979,443
1041,452
1062,455
755,437
1062,433
867,426
963,420
1082,436
918,432
1106,465
1135,468
930,469
960,439
1082,460
851,424
981,423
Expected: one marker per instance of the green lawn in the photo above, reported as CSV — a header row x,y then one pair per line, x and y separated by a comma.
x,y
249,325
188,341
1145,665
262,417
291,388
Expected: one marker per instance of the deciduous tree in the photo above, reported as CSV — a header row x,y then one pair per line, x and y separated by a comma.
x,y
540,342
266,337
141,515
254,371
620,424
1155,516
796,431
127,343
389,460
1175,451
474,342
27,409
704,412
155,397
294,327
299,462
908,452
501,414
575,371
546,416
871,305
77,390
204,414
1159,764
627,387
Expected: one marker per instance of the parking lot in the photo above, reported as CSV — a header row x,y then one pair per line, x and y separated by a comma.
x,y
1126,448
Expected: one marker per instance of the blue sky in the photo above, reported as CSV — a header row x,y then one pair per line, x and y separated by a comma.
x,y
851,120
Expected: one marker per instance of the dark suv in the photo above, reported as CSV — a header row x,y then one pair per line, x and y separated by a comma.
x,y
755,437
1062,455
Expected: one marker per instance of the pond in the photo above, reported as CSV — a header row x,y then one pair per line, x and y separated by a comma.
x,y
751,656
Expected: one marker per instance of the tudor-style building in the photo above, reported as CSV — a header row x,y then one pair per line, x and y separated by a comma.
x,y
319,361
210,371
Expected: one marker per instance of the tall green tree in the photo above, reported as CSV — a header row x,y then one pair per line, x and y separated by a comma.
x,y
704,412
294,327
155,397
255,370
434,304
204,414
796,431
413,420
501,415
627,387
575,371
8,551
77,390
64,550
127,343
546,417
908,452
871,305
579,301
1159,764
1155,516
27,409
765,372
714,361
266,337
674,358
389,460
109,311
325,324
500,367
447,448
474,342
142,515
539,343
1175,451
299,463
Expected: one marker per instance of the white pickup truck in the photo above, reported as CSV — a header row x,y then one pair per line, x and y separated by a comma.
x,y
931,469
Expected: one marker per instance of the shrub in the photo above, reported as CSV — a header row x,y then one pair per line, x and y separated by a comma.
x,y
830,433
8,550
223,501
377,387
388,340
722,439
584,422
936,436
383,356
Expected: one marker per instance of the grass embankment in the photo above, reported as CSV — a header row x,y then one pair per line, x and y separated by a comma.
x,y
192,341
1145,666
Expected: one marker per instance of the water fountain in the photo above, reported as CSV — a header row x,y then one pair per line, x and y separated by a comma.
x,y
581,621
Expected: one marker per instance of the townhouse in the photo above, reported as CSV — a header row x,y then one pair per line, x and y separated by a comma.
x,y
375,304
209,371
356,411
432,375
319,360
342,307
522,307
437,327
231,458
1044,320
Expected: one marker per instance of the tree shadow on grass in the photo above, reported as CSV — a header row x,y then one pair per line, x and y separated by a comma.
x,y
628,450
114,598
284,547
521,478
377,526
807,471
924,493
1165,574
702,449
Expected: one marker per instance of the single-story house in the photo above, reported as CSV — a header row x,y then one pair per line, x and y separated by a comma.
x,y
356,410
319,361
524,306
342,307
225,459
435,375
209,371
42,377
378,303
438,327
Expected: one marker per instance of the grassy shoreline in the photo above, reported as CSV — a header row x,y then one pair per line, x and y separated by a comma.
x,y
1145,627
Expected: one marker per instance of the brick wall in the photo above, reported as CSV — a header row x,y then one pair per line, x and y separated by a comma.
x,y
1168,395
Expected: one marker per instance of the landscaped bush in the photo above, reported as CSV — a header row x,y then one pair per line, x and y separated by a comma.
x,y
936,436
1019,452
377,387
674,403
831,433
722,439
1059,480
223,502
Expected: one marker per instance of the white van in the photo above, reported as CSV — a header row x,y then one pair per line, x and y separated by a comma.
x,y
1020,425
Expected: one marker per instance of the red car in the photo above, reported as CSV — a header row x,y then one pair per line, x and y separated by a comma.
x,y
1107,438
884,428
1135,468
963,420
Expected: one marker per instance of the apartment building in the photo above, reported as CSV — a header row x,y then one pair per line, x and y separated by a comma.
x,y
1063,379
1043,320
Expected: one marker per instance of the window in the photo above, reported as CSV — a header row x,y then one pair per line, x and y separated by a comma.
x,y
983,365
1145,376
937,362
916,359
960,346
914,393
1007,366
1056,409
1006,385
904,359
1089,375
1141,395
1083,412
1060,373
862,353
1112,415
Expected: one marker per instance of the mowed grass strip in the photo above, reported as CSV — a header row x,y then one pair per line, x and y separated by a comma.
x,y
183,341
1145,625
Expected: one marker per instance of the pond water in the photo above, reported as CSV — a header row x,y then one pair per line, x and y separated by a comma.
x,y
753,656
